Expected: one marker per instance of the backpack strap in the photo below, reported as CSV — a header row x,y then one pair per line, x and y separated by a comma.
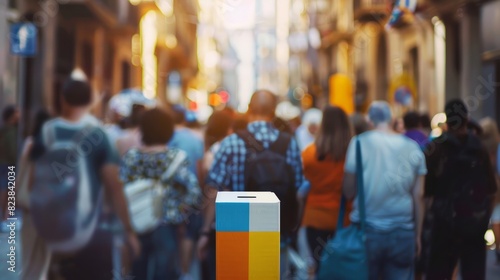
x,y
250,141
179,158
281,144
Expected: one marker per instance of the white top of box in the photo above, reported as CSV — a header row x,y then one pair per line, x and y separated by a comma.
x,y
247,197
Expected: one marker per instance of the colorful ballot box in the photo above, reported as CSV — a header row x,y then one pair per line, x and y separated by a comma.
x,y
248,236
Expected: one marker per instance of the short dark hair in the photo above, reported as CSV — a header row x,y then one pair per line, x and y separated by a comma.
x,y
157,127
411,120
457,114
425,121
8,112
218,126
76,93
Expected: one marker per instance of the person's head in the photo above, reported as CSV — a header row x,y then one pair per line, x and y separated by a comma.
x,y
379,113
76,94
457,115
312,120
262,106
334,134
425,121
219,126
157,127
359,123
10,115
136,114
411,120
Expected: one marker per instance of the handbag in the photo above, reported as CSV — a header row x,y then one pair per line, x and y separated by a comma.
x,y
145,198
345,256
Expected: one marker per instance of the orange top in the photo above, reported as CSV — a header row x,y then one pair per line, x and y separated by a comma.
x,y
323,202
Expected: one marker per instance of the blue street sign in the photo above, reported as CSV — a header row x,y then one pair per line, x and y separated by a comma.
x,y
23,39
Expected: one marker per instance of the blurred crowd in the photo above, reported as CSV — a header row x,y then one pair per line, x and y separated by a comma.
x,y
429,198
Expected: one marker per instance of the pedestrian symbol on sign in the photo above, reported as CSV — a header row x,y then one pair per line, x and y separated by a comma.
x,y
23,39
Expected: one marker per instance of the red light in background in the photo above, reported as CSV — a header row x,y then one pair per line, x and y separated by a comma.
x,y
193,106
224,96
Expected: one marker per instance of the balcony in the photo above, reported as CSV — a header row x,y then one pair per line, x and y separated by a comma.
x,y
371,10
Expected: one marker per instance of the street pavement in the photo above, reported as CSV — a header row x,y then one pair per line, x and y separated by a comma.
x,y
493,270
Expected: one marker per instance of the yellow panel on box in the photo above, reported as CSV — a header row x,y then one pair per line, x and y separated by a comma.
x,y
264,256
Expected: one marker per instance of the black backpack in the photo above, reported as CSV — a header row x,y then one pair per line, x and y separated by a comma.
x,y
466,180
267,170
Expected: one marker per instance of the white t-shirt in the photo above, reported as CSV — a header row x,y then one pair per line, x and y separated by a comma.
x,y
391,164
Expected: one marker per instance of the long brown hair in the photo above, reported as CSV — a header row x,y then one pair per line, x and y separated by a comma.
x,y
334,134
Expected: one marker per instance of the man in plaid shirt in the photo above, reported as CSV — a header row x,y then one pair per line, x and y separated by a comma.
x,y
228,170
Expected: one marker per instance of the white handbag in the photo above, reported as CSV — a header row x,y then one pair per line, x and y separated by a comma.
x,y
145,198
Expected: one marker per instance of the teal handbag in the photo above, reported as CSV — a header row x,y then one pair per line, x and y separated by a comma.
x,y
345,256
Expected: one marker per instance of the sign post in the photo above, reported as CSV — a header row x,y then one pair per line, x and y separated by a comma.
x,y
23,43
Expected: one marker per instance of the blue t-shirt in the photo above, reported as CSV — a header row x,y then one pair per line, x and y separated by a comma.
x,y
95,146
391,164
187,141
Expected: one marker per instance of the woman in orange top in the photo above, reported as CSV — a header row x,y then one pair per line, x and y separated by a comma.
x,y
324,168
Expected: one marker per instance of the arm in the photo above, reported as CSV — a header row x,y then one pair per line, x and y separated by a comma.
x,y
419,206
114,191
294,159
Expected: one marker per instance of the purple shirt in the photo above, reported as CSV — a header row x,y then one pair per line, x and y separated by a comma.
x,y
417,136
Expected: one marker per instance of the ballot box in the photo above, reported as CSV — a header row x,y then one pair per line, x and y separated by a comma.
x,y
247,236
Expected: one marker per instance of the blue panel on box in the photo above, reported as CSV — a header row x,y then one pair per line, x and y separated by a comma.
x,y
232,216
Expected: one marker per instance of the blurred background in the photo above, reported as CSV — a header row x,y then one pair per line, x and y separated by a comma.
x,y
209,53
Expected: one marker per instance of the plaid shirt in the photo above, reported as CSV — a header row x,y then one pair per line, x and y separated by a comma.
x,y
228,169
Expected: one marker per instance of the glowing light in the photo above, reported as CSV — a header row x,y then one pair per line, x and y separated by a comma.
x,y
149,61
489,237
438,119
170,41
436,132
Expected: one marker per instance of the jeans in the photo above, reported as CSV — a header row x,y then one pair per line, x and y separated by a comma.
x,y
391,254
447,248
317,240
158,255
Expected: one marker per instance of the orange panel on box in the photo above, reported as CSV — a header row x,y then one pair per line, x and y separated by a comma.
x,y
232,252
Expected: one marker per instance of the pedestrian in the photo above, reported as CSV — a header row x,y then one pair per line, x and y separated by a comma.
x,y
413,129
219,126
8,156
35,254
461,183
491,140
324,168
393,170
188,141
359,123
234,154
307,131
80,162
150,161
131,137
